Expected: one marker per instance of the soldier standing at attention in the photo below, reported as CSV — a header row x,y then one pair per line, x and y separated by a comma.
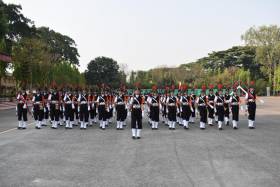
x,y
46,108
84,110
154,102
171,103
137,113
54,100
193,98
69,112
101,107
226,105
202,104
234,104
21,109
120,107
38,108
186,108
210,106
250,98
219,105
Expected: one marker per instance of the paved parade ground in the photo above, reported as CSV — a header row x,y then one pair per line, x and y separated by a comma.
x,y
191,157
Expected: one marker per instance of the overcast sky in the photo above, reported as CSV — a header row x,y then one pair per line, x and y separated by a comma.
x,y
148,33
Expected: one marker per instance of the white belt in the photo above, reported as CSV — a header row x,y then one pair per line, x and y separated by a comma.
x,y
155,104
54,102
171,104
219,104
251,100
234,103
120,103
201,104
37,103
136,106
83,102
185,104
101,103
69,102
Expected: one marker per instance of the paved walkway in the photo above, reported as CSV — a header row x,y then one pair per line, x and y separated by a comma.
x,y
7,105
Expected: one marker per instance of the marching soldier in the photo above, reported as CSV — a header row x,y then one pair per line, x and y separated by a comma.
x,y
179,114
201,101
219,105
46,108
83,110
186,109
54,100
61,108
120,107
76,106
110,112
193,99
226,105
171,103
163,108
137,113
69,110
92,105
210,106
102,109
38,108
250,98
234,104
21,109
154,102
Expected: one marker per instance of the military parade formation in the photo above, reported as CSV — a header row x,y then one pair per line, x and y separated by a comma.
x,y
83,108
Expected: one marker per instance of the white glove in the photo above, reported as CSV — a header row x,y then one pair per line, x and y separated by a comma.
x,y
215,110
44,109
96,111
88,108
78,109
143,113
192,110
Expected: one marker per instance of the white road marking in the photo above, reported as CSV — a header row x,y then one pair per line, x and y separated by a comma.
x,y
14,128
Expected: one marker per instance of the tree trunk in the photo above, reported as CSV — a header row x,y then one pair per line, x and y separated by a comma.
x,y
274,79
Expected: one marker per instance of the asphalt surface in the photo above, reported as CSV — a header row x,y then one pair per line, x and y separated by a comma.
x,y
94,157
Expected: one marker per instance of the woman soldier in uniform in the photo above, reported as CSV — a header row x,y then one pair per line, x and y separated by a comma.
x,y
171,103
219,105
201,101
210,107
120,107
186,107
250,98
101,107
234,104
137,113
154,102
21,109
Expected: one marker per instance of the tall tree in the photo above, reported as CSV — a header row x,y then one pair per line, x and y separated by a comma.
x,y
63,48
103,70
267,41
